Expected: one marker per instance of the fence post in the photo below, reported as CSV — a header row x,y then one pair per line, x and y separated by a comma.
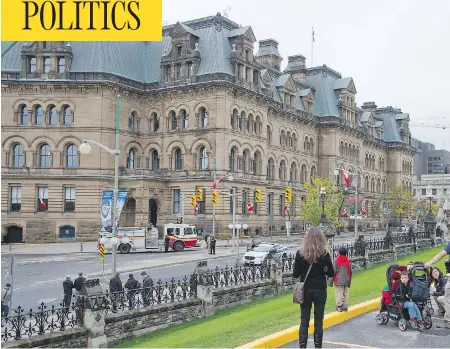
x,y
81,247
204,288
394,252
276,275
94,314
10,246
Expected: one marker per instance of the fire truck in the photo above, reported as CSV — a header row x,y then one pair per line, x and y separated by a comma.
x,y
147,238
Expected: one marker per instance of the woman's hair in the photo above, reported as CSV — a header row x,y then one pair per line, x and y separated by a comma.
x,y
314,246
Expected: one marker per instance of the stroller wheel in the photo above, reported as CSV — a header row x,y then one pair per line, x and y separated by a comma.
x,y
427,322
385,318
379,319
402,324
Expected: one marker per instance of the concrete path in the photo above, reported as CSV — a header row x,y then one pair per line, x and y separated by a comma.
x,y
363,332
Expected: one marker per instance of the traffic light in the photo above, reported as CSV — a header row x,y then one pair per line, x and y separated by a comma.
x,y
215,197
193,200
288,195
199,194
258,195
180,220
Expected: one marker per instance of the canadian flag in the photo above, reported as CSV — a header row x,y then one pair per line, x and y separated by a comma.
x,y
346,178
43,205
196,207
363,212
250,206
344,213
217,182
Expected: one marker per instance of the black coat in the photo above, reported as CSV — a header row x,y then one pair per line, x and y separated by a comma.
x,y
402,292
132,284
68,286
166,240
115,285
78,284
213,242
147,282
317,276
440,285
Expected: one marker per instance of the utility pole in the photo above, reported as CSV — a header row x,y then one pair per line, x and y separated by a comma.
x,y
214,206
116,189
356,194
182,208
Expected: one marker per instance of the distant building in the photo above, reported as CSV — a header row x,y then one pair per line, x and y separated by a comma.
x,y
432,185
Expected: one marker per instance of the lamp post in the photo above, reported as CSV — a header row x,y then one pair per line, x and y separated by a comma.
x,y
85,149
429,220
323,223
336,173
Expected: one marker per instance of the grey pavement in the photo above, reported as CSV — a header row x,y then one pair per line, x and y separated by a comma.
x,y
41,269
363,332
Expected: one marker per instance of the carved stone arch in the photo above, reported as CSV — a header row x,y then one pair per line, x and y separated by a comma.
x,y
135,145
150,147
63,142
259,115
304,162
61,104
243,114
293,161
7,142
35,143
283,157
34,103
235,107
200,105
19,103
169,109
247,146
135,110
200,142
260,149
313,164
153,110
273,157
176,144
185,107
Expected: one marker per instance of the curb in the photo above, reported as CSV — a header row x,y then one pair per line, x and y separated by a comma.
x,y
289,335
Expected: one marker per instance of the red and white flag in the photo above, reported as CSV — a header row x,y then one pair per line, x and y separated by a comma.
x,y
363,212
346,178
43,205
217,182
250,206
313,38
344,213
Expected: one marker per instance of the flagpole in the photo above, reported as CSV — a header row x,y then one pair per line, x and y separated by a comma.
x,y
214,206
356,195
312,47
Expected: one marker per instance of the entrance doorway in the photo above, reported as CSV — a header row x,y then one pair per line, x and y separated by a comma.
x,y
130,212
152,211
66,232
14,235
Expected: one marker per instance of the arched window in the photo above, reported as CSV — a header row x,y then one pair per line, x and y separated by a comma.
x,y
132,121
269,135
232,160
155,121
313,173
17,155
39,115
178,160
173,118
24,115
52,115
44,156
247,125
293,173
303,174
306,144
184,119
155,160
234,117
256,165
131,159
72,156
67,116
245,159
270,169
378,186
204,118
282,171
203,156
239,122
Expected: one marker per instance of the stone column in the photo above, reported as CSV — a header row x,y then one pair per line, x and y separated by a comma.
x,y
204,288
276,275
94,314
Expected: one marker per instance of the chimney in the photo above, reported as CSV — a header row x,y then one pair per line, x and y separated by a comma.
x,y
369,106
268,54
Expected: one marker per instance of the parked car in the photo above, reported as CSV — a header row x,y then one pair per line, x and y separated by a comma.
x,y
260,253
403,229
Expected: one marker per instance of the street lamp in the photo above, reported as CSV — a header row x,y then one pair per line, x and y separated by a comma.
x,y
336,173
323,223
323,195
429,220
85,148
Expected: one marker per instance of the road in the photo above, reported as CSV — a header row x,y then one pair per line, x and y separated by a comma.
x,y
363,332
38,277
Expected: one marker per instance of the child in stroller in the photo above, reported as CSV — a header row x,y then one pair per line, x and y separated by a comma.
x,y
406,297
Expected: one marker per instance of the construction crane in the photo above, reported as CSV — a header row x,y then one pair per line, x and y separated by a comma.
x,y
431,125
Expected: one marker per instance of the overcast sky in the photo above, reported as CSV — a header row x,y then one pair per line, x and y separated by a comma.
x,y
398,52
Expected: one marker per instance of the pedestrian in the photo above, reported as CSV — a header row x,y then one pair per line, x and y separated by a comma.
x,y
147,293
437,258
437,288
68,289
342,279
213,245
166,243
253,244
6,300
79,282
115,289
207,241
312,265
132,285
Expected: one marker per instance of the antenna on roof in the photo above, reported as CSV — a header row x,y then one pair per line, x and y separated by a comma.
x,y
225,12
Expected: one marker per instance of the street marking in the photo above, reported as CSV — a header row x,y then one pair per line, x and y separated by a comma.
x,y
348,345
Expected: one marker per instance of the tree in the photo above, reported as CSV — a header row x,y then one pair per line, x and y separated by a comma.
x,y
400,201
311,209
377,209
424,207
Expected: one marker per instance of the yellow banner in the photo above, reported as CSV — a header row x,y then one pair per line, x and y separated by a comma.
x,y
81,20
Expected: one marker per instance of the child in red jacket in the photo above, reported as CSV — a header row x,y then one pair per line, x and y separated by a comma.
x,y
342,279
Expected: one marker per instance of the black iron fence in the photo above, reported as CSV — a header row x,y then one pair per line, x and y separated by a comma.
x,y
232,276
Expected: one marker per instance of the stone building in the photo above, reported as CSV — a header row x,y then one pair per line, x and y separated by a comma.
x,y
207,96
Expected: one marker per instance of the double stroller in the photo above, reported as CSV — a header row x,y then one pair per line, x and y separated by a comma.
x,y
392,309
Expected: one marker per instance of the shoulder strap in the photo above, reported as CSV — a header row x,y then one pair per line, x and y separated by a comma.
x,y
307,273
5,294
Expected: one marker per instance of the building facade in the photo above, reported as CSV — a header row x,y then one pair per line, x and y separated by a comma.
x,y
199,103
436,187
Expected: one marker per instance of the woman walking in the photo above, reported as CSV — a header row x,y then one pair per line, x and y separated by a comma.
x,y
314,257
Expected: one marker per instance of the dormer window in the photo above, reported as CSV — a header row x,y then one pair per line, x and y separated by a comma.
x,y
167,73
179,51
31,64
61,65
247,55
47,65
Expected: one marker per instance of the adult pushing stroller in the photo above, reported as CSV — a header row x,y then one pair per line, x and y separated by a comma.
x,y
392,309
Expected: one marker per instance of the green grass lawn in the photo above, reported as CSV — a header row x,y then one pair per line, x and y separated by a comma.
x,y
230,328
